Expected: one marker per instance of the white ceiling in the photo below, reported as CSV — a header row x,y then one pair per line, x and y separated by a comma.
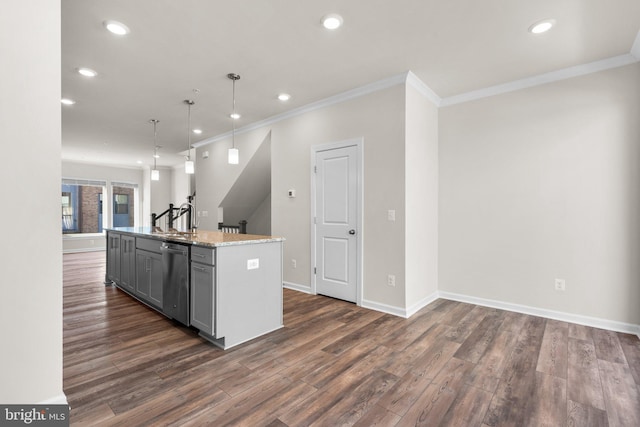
x,y
453,46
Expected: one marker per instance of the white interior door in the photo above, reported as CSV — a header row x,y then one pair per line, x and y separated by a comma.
x,y
336,222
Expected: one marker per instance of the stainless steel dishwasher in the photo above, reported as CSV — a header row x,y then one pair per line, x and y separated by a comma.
x,y
175,281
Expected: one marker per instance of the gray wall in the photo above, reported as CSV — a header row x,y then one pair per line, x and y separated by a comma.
x,y
31,316
542,184
379,119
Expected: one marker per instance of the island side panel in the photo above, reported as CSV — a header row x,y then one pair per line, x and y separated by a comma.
x,y
249,299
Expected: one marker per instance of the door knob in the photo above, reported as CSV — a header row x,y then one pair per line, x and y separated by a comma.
x,y
352,231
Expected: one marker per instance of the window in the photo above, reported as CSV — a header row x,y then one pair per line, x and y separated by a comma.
x,y
81,207
121,204
124,196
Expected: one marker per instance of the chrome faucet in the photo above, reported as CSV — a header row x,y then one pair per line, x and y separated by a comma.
x,y
191,210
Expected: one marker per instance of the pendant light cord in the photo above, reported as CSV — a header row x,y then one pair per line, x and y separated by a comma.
x,y
155,144
233,116
155,141
233,78
189,102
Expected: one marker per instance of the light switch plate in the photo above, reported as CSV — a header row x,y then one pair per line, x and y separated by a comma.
x,y
253,264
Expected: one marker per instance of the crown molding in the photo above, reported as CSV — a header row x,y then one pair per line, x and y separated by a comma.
x,y
635,49
411,79
423,89
335,99
540,79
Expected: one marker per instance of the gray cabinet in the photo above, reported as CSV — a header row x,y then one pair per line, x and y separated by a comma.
x,y
128,262
148,266
113,257
203,289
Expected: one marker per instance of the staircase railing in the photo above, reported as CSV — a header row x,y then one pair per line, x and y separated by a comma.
x,y
171,217
241,228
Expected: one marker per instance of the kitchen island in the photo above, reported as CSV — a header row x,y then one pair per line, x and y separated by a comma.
x,y
228,286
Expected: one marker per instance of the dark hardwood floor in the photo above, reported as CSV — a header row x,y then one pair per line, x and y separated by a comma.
x,y
335,364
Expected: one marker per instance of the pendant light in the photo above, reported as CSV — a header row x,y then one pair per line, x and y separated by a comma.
x,y
234,154
155,173
189,166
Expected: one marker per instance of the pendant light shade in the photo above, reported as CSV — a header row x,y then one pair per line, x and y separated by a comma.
x,y
234,154
155,173
189,166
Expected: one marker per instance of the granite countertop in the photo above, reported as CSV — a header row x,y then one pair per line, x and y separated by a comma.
x,y
200,237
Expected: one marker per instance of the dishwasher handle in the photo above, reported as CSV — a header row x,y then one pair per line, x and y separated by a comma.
x,y
173,250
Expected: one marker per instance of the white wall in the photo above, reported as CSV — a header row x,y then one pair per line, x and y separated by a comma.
x,y
542,184
31,316
180,185
160,194
421,209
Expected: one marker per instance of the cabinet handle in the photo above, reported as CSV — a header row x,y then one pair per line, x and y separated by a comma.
x,y
195,267
198,255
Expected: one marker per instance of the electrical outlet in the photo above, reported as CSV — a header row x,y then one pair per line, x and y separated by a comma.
x,y
391,215
391,280
294,264
253,264
560,285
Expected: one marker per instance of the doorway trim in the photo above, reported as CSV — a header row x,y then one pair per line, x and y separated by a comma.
x,y
359,144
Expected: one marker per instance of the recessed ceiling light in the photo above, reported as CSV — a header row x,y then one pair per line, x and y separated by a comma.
x,y
87,72
197,131
235,116
156,156
332,21
117,27
284,97
139,162
542,26
67,101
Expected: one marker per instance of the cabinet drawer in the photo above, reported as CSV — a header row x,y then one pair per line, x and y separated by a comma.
x,y
151,245
202,255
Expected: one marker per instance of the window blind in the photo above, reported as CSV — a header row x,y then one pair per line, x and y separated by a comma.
x,y
88,182
123,184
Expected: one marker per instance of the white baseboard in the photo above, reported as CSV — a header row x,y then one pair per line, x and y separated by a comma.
x,y
78,250
296,287
60,399
399,311
595,322
422,303
389,309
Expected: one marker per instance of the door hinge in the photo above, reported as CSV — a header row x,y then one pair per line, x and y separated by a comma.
x,y
315,169
314,270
